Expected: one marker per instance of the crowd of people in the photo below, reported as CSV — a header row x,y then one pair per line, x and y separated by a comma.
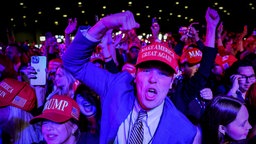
x,y
197,89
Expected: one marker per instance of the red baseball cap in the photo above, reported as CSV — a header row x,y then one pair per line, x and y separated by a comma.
x,y
191,56
59,109
17,94
158,52
225,61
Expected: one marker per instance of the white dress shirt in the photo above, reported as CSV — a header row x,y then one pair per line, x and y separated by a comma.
x,y
150,123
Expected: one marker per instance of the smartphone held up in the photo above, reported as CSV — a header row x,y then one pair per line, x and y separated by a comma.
x,y
39,64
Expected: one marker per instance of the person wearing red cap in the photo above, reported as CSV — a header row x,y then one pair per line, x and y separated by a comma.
x,y
122,96
190,61
59,120
17,101
190,94
217,80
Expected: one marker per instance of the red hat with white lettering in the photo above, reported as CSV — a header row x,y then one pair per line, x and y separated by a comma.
x,y
191,56
225,61
17,94
158,52
59,109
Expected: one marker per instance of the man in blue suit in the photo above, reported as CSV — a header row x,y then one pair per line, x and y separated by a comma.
x,y
123,96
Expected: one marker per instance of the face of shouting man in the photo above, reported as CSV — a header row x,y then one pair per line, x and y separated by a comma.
x,y
153,81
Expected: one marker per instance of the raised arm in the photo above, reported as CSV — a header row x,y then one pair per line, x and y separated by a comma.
x,y
155,29
219,35
88,37
76,59
123,21
72,26
212,20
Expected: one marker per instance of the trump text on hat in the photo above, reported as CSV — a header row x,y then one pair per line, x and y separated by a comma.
x,y
56,104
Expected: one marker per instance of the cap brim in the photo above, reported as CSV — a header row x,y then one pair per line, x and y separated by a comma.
x,y
159,61
4,104
50,116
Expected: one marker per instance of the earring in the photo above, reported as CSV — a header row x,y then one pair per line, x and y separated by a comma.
x,y
221,129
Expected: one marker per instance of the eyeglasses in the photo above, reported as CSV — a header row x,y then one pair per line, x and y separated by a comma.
x,y
247,78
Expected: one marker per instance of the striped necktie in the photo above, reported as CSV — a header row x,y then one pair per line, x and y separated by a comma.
x,y
136,136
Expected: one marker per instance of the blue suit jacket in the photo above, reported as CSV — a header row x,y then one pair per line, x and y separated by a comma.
x,y
117,96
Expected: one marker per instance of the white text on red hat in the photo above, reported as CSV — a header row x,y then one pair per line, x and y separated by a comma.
x,y
158,47
56,104
195,53
7,87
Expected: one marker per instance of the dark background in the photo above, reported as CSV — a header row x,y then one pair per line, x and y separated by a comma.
x,y
240,11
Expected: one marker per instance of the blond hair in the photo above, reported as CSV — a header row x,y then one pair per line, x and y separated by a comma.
x,y
23,131
68,89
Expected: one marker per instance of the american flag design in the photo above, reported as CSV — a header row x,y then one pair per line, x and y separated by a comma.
x,y
19,101
75,113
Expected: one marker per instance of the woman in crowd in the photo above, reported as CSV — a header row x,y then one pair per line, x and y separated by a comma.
x,y
225,121
64,83
251,105
17,101
59,120
89,104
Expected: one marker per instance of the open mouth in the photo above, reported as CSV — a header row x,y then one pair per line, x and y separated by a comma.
x,y
152,90
151,94
51,136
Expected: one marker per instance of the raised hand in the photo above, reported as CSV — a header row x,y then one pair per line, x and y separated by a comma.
x,y
194,33
123,21
29,72
212,17
72,25
155,28
220,29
